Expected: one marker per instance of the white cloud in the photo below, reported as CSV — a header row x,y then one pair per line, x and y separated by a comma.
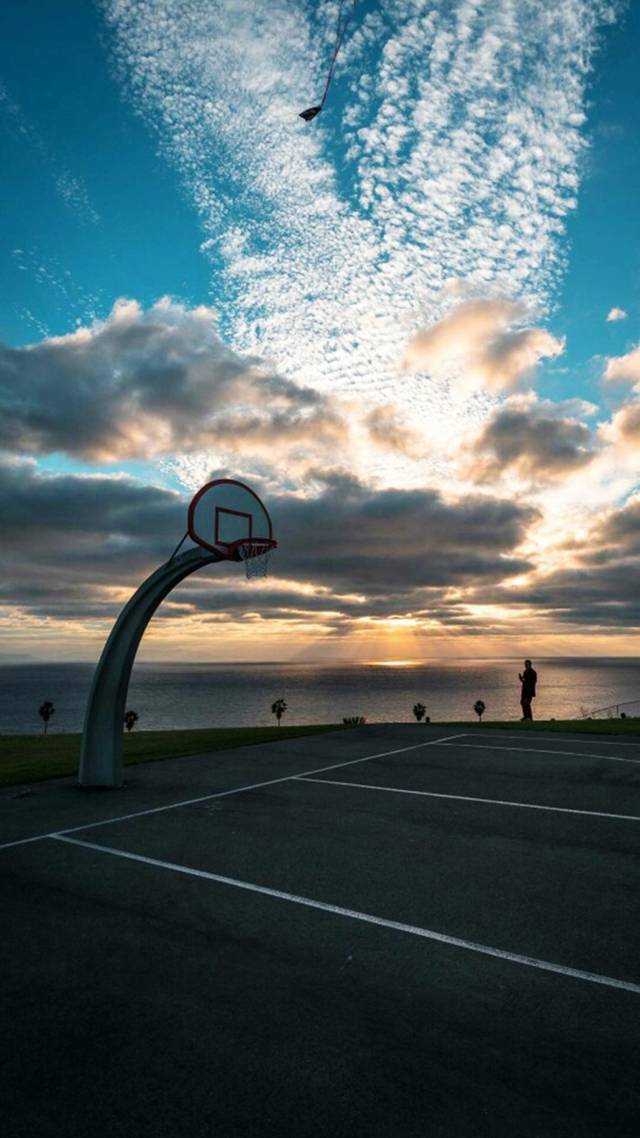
x,y
479,344
624,368
624,429
458,156
74,194
617,314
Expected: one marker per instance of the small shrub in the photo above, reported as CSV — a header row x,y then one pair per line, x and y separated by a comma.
x,y
278,708
419,710
45,711
354,721
130,719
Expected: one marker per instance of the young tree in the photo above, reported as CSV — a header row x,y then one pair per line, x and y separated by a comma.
x,y
45,711
479,708
419,710
278,708
130,719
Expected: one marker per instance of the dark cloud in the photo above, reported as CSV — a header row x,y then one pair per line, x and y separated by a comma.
x,y
148,383
76,546
539,442
95,518
622,527
602,597
601,587
353,537
70,539
275,603
387,430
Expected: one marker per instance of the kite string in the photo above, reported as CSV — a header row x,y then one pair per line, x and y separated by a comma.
x,y
341,29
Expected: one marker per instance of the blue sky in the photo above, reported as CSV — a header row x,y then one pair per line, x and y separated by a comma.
x,y
127,229
423,274
603,235
98,213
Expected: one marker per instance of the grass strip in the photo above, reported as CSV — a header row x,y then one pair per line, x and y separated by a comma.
x,y
32,758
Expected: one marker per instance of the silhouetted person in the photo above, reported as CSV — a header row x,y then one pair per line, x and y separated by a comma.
x,y
528,679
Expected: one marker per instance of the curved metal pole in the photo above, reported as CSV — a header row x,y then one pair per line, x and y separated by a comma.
x,y
101,754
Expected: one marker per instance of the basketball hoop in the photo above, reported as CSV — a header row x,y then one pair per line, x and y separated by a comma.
x,y
228,518
256,556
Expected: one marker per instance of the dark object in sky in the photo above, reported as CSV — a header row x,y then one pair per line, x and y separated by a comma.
x,y
310,113
343,21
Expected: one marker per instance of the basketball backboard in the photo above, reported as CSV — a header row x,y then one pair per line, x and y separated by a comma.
x,y
227,517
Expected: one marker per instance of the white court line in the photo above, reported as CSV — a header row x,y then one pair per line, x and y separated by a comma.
x,y
398,926
25,841
585,737
541,751
223,793
469,798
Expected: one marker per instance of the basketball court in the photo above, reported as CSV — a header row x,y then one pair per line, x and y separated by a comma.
x,y
394,930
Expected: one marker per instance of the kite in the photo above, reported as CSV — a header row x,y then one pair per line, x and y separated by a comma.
x,y
343,22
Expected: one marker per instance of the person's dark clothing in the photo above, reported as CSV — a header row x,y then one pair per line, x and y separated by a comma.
x,y
529,679
525,704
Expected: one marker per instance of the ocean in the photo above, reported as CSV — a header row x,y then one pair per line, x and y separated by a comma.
x,y
222,695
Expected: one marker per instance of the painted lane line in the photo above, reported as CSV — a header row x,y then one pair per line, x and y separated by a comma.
x,y
24,841
223,793
470,798
368,918
541,751
586,737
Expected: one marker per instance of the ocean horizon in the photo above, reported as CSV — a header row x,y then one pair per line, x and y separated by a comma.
x,y
170,695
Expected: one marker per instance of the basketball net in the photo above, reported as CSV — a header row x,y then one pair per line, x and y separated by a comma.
x,y
256,556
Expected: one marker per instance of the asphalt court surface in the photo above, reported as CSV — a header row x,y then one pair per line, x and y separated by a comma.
x,y
357,946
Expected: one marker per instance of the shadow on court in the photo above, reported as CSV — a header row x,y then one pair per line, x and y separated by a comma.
x,y
306,994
